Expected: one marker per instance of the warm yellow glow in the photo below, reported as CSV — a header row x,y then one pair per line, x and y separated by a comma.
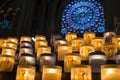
x,y
52,71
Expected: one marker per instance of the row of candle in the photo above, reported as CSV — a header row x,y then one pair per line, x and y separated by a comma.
x,y
78,72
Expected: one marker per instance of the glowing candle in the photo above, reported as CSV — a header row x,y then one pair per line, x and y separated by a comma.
x,y
88,36
40,43
76,43
8,51
43,49
59,42
25,72
109,49
27,59
85,50
52,73
96,59
12,39
63,50
47,59
97,43
110,72
108,36
81,72
25,38
6,63
70,60
70,36
11,45
40,37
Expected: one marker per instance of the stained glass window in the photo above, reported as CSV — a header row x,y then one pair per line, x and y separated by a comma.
x,y
83,16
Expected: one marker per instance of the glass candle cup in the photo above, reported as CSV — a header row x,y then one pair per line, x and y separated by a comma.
x,y
25,38
76,43
63,50
97,43
52,73
12,39
81,72
108,36
85,50
25,49
26,43
8,51
59,42
40,43
25,72
11,45
69,37
2,40
70,60
96,59
47,59
109,49
88,36
6,63
40,37
27,59
110,72
43,49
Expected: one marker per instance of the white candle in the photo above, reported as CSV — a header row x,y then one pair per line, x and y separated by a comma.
x,y
63,50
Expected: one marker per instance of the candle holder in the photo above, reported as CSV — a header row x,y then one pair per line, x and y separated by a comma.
x,y
25,38
11,45
12,39
63,50
47,59
108,36
97,43
8,51
43,49
26,43
76,43
70,36
59,42
85,50
40,43
88,36
25,72
110,72
25,49
109,49
96,59
40,37
52,73
70,60
6,63
81,72
27,59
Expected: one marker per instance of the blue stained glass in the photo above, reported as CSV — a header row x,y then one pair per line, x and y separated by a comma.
x,y
82,15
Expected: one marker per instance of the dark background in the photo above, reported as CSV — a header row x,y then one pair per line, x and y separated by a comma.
x,y
44,16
